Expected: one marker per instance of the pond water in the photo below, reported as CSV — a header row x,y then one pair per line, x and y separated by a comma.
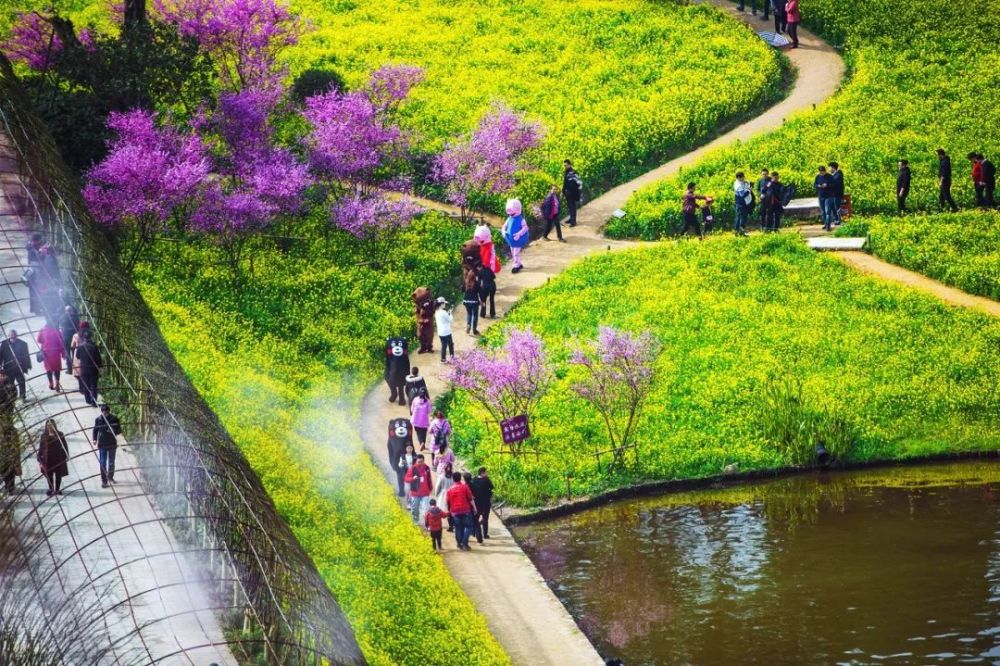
x,y
873,567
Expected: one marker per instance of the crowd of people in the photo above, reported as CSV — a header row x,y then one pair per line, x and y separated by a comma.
x,y
787,16
64,338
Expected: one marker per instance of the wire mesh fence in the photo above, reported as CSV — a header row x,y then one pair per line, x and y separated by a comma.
x,y
183,556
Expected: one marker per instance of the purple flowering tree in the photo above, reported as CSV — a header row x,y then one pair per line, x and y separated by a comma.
x,y
255,183
507,382
353,142
149,173
485,163
243,37
618,375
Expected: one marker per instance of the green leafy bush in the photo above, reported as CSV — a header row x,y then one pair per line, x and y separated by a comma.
x,y
885,373
923,76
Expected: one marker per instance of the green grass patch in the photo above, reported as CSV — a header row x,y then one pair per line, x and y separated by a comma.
x,y
757,334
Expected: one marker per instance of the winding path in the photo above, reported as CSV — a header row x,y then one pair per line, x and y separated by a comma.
x,y
521,611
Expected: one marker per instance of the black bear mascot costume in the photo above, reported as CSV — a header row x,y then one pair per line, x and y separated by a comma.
x,y
397,366
400,436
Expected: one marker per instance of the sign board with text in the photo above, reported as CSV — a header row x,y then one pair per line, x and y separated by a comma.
x,y
515,429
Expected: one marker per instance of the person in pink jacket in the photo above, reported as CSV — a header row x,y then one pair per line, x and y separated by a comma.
x,y
793,18
50,343
420,416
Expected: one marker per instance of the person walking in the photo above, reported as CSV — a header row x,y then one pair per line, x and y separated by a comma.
x,y
792,20
432,521
775,195
550,213
766,6
10,441
89,357
778,9
572,191
462,507
470,299
440,436
978,184
482,492
419,478
414,385
903,179
420,416
15,361
442,320
689,210
107,427
989,180
743,198
444,482
487,281
824,191
68,326
53,457
838,191
515,233
73,346
944,181
762,183
51,349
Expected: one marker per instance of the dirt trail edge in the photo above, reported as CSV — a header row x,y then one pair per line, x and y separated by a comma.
x,y
522,612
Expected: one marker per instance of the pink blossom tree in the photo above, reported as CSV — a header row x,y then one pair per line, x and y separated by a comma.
x,y
244,37
352,144
618,375
149,173
486,162
507,382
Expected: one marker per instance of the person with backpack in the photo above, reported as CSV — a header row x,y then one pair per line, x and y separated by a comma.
x,y
823,183
419,478
838,191
689,210
572,191
415,383
944,181
775,194
550,213
903,179
989,180
440,435
762,183
743,196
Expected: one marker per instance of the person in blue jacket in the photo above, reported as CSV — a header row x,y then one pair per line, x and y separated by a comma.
x,y
515,233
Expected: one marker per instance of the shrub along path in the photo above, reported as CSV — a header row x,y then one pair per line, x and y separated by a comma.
x,y
521,611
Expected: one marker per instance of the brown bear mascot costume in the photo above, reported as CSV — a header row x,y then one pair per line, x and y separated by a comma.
x,y
423,299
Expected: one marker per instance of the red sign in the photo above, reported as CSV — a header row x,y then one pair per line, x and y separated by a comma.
x,y
515,429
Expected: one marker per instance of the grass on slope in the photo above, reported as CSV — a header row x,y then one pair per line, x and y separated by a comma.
x,y
961,250
894,373
285,365
925,74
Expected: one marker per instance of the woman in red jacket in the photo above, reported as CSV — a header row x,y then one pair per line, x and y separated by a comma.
x,y
792,19
51,344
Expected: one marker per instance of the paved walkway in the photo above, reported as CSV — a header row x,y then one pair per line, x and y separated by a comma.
x,y
107,550
520,609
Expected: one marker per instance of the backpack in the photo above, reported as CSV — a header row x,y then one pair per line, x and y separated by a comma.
x,y
787,194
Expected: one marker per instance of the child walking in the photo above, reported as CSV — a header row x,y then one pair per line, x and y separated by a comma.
x,y
432,520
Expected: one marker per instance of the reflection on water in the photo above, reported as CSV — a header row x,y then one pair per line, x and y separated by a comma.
x,y
888,566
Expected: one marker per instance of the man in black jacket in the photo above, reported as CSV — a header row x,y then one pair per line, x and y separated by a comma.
x,y
944,181
837,190
15,360
107,427
762,183
902,185
989,180
482,493
89,357
774,194
572,190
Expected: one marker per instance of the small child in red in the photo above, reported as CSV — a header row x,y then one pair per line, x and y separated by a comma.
x,y
432,519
